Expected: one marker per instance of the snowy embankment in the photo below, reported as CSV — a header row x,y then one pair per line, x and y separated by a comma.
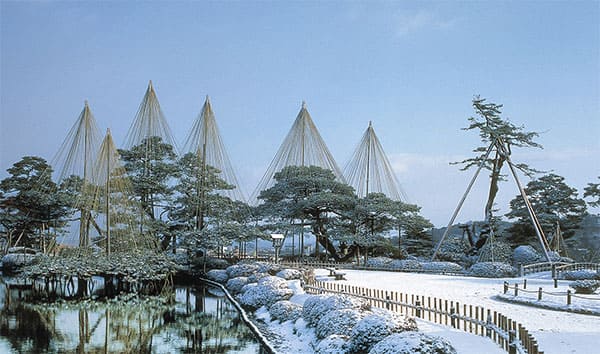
x,y
557,332
296,322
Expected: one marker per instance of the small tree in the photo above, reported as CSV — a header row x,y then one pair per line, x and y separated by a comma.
x,y
312,194
499,137
31,202
554,201
593,191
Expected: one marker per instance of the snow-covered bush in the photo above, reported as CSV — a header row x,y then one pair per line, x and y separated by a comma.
x,y
235,285
338,322
218,275
285,311
266,292
289,274
492,270
442,267
412,342
379,262
373,328
526,254
269,268
410,264
583,274
211,263
453,249
317,306
499,251
585,286
334,344
241,270
254,278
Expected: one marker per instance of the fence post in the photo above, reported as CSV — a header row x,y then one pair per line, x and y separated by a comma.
x,y
387,302
516,289
540,294
555,283
512,346
568,297
521,270
453,317
553,271
488,325
505,287
418,308
524,283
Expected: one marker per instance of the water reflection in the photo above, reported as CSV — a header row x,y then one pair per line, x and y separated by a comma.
x,y
198,321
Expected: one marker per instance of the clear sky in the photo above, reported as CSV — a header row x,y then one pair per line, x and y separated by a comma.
x,y
410,67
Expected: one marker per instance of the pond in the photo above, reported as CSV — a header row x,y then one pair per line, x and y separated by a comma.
x,y
199,320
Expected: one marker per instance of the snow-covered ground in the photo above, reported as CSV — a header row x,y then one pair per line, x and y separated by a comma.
x,y
557,332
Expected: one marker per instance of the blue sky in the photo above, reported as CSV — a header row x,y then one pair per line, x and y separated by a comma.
x,y
410,67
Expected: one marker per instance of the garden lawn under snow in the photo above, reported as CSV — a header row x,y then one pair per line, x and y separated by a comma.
x,y
557,332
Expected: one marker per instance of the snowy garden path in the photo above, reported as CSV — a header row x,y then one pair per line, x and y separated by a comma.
x,y
557,332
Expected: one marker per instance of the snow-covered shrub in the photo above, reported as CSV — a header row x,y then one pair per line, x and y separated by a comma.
x,y
492,270
338,322
266,292
241,270
412,342
410,264
585,286
235,285
373,328
525,255
442,267
254,278
334,344
285,311
211,263
379,262
453,249
289,274
218,275
317,306
269,268
499,251
582,274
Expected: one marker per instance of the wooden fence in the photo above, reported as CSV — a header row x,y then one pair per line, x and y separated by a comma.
x,y
556,267
568,295
510,335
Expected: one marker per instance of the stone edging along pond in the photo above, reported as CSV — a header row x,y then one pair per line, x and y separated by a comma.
x,y
265,343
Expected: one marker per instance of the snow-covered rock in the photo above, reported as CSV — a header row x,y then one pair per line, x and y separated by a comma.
x,y
316,307
266,292
373,328
218,275
411,343
241,270
289,274
492,270
235,285
442,267
526,254
285,311
333,344
338,322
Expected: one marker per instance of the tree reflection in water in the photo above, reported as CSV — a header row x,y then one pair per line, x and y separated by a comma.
x,y
198,321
